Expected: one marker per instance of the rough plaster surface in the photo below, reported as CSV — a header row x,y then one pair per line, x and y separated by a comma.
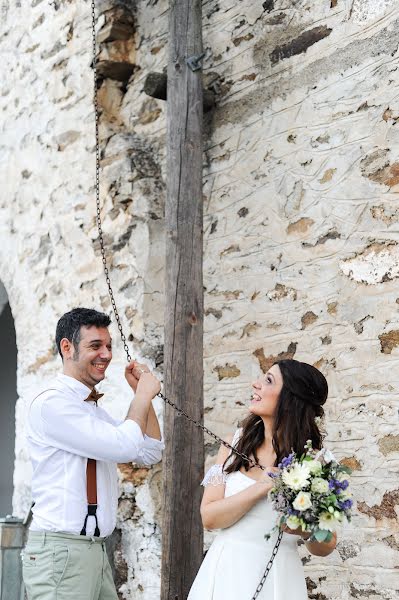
x,y
300,194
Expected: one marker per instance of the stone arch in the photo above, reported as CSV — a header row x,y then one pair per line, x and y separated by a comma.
x,y
8,398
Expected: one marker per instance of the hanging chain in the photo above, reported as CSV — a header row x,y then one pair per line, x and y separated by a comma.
x,y
268,566
179,411
97,184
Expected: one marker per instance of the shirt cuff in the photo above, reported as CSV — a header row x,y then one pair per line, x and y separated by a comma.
x,y
150,442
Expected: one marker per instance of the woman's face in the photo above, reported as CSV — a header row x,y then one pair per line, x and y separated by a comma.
x,y
265,393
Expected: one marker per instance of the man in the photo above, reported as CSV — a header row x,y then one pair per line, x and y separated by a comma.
x,y
74,447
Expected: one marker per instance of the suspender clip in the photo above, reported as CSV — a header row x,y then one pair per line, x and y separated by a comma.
x,y
92,510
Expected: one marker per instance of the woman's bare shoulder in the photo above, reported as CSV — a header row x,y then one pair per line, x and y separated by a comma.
x,y
224,451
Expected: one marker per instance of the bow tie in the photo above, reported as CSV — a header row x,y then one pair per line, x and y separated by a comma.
x,y
94,395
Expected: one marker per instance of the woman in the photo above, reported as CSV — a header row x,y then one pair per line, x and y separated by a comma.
x,y
283,410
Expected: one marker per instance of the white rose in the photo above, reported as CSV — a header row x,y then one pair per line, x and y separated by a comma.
x,y
297,477
314,466
319,486
343,476
302,501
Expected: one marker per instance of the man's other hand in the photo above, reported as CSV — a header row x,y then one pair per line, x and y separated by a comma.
x,y
148,386
132,373
141,380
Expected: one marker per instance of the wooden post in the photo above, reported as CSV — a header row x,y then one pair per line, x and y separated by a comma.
x,y
155,85
184,456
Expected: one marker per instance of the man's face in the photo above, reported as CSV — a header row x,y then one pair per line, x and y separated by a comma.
x,y
88,362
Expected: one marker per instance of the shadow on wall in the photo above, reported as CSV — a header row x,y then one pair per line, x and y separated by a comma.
x,y
8,398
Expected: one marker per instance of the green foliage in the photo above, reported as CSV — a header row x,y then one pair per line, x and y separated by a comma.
x,y
323,535
345,469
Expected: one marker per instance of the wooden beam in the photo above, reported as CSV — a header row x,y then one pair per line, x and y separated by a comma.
x,y
155,85
182,550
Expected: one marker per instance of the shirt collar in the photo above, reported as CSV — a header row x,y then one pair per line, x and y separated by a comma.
x,y
77,387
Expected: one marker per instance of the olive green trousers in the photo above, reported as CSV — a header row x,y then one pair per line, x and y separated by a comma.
x,y
58,566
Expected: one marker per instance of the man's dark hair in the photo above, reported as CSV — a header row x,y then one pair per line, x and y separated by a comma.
x,y
70,323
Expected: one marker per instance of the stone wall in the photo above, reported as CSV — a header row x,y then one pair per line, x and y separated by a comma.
x,y
300,190
50,256
301,242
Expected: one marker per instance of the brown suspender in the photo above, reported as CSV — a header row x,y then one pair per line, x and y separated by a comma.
x,y
91,476
91,482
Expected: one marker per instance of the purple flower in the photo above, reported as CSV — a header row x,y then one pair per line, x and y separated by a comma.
x,y
345,504
287,461
335,484
280,502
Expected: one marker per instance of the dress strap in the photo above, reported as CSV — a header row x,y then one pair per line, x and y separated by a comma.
x,y
234,442
236,437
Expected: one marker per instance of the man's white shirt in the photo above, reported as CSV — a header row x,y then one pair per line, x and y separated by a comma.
x,y
63,431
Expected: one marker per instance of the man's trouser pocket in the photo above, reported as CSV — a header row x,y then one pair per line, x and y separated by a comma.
x,y
63,567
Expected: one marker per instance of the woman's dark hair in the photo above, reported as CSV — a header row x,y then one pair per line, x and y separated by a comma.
x,y
300,401
70,323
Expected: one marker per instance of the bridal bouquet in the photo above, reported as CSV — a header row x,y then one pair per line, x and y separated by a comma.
x,y
311,491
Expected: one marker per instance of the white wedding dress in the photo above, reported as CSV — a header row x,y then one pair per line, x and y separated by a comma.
x,y
236,561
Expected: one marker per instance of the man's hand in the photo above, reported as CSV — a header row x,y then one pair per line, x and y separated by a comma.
x,y
141,380
133,372
145,386
148,385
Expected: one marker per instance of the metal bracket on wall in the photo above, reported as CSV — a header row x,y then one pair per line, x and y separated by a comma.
x,y
194,62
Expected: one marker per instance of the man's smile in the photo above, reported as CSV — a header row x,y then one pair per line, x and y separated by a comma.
x,y
100,366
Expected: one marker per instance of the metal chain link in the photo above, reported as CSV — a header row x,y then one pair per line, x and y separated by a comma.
x,y
268,566
179,411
